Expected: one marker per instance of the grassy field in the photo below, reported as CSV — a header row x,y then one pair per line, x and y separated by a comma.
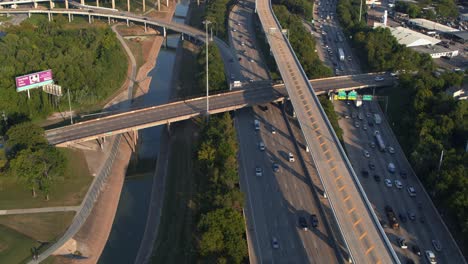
x,y
69,190
19,233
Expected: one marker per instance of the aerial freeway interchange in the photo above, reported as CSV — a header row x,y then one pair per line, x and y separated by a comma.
x,y
365,238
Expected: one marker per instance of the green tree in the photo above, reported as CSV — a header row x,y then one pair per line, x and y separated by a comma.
x,y
25,135
24,166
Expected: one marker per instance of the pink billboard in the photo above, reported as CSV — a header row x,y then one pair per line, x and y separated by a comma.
x,y
33,80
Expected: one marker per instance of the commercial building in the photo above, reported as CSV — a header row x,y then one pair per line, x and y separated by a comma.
x,y
411,38
460,36
459,93
428,25
436,51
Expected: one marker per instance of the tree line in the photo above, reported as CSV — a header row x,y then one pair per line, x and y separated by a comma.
x,y
220,229
217,12
87,61
441,9
217,76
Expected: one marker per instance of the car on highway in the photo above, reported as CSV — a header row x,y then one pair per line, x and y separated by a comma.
x,y
366,154
291,157
422,219
402,243
274,243
273,130
402,217
398,184
416,250
379,79
430,256
303,223
242,43
256,124
403,174
365,173
276,167
411,215
372,145
371,166
376,177
391,167
314,220
411,191
258,171
437,245
364,127
391,150
251,60
261,146
388,183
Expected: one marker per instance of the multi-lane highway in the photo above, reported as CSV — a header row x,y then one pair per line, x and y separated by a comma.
x,y
364,237
274,200
427,225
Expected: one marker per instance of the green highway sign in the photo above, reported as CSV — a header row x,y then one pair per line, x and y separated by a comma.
x,y
367,97
352,95
341,95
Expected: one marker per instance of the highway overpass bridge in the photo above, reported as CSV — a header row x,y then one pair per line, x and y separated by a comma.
x,y
252,94
365,239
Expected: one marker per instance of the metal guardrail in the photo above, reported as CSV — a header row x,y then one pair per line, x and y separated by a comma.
x,y
342,153
87,205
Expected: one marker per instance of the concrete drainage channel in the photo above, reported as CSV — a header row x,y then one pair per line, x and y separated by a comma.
x,y
87,204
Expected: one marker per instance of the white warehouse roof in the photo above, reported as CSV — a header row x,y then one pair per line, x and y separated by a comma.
x,y
431,25
411,38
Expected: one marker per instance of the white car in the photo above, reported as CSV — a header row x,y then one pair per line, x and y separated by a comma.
x,y
258,172
379,79
411,191
251,60
291,157
391,150
261,146
388,183
398,184
430,256
366,154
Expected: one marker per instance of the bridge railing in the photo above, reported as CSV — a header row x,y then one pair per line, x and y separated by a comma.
x,y
340,150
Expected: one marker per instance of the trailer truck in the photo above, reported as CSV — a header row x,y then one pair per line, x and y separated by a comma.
x,y
341,54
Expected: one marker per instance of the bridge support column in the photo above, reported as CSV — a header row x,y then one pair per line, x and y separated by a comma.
x,y
97,3
66,4
108,20
144,5
128,5
35,4
49,16
168,126
159,5
113,4
69,17
132,139
167,3
101,142
127,23
164,32
82,2
89,19
29,14
145,26
51,4
182,36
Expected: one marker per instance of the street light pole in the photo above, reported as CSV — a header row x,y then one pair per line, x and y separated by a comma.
x,y
360,11
206,22
69,105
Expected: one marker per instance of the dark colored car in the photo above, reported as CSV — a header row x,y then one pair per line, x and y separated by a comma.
x,y
376,177
365,173
416,250
371,166
403,174
314,220
276,167
402,217
302,223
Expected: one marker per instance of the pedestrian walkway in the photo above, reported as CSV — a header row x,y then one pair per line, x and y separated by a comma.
x,y
40,210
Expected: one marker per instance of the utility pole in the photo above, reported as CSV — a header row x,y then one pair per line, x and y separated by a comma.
x,y
69,105
206,23
440,161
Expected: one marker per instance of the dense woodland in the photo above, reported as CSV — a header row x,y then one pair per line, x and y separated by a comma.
x,y
431,122
217,12
87,61
217,78
220,224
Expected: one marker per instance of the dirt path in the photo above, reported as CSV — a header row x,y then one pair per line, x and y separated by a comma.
x,y
93,235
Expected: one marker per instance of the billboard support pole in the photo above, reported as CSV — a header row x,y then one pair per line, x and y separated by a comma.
x,y
29,95
69,105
